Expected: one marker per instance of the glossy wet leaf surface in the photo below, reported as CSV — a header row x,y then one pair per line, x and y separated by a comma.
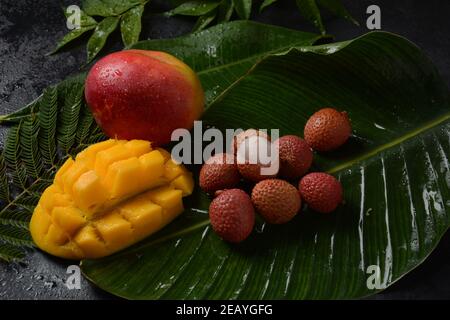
x,y
394,170
101,33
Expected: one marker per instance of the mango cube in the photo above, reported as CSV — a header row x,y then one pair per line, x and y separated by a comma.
x,y
88,192
64,168
185,183
70,219
169,199
145,216
89,154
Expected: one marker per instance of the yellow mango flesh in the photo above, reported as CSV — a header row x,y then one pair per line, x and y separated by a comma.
x,y
114,194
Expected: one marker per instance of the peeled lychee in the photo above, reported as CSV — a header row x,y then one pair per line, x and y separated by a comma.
x,y
241,137
327,129
219,172
276,200
232,215
321,191
253,151
295,157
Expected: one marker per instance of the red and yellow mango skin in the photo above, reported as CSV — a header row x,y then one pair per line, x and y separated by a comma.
x,y
140,94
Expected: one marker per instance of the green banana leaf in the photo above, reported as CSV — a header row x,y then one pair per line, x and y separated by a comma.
x,y
394,170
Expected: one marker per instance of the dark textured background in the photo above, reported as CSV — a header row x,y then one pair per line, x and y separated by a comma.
x,y
29,29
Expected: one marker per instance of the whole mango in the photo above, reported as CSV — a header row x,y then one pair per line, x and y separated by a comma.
x,y
141,94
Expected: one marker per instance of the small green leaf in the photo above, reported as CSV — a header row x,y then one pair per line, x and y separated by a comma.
x,y
85,20
108,8
265,4
225,11
204,21
309,9
98,38
72,35
130,25
243,8
15,117
194,8
86,23
337,8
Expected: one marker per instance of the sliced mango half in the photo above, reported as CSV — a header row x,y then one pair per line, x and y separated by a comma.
x,y
114,194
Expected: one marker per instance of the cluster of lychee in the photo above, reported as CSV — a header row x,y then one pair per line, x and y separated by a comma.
x,y
274,197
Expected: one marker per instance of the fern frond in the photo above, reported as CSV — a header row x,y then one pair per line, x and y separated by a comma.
x,y
15,217
11,253
40,185
69,117
12,157
85,124
48,111
27,200
29,130
15,236
4,188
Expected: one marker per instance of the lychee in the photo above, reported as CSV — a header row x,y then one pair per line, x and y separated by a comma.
x,y
253,153
219,172
277,201
232,215
245,135
327,129
295,157
321,191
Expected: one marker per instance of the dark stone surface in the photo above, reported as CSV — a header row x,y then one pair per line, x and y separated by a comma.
x,y
29,29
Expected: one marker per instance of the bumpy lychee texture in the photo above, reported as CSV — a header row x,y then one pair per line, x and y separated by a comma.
x,y
218,173
232,215
276,200
295,157
247,146
321,191
327,129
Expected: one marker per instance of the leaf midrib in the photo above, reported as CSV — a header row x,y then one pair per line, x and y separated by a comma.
x,y
261,55
407,136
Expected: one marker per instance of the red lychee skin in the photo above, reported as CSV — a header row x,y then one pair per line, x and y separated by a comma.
x,y
252,172
219,172
141,94
321,191
295,155
232,215
327,129
277,201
